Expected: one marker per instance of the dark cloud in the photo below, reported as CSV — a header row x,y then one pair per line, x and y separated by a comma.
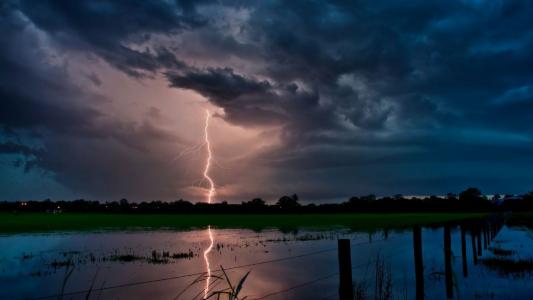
x,y
429,80
31,156
117,31
386,94
50,123
94,79
220,85
20,111
32,92
13,148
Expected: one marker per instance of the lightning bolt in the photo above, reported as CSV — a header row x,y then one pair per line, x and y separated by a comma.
x,y
210,194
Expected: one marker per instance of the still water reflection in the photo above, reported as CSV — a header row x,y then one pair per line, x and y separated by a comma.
x,y
207,263
283,265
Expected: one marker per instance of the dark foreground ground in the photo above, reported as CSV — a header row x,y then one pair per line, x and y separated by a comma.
x,y
45,222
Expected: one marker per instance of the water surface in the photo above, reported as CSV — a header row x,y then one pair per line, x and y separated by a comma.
x,y
301,264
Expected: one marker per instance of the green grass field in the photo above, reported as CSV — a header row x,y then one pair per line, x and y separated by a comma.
x,y
42,222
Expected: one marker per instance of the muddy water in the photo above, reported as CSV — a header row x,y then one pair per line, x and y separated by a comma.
x,y
282,265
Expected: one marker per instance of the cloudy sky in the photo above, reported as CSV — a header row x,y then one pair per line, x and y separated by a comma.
x,y
106,99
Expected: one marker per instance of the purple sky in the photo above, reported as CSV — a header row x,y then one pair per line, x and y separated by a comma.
x,y
326,99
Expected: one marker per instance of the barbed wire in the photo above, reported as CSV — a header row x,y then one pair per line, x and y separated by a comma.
x,y
307,283
137,283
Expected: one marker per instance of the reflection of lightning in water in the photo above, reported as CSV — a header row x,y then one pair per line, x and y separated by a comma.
x,y
206,258
210,194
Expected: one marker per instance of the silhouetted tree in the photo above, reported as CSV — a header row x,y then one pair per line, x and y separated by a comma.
x,y
124,203
515,203
353,200
370,197
469,200
287,202
258,202
451,196
398,197
255,203
471,194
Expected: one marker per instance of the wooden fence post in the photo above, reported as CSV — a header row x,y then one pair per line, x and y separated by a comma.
x,y
485,236
345,270
479,246
448,261
473,237
419,266
463,251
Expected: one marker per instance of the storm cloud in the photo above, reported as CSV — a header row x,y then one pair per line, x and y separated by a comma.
x,y
359,96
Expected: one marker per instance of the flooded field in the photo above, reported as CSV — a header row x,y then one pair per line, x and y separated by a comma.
x,y
300,264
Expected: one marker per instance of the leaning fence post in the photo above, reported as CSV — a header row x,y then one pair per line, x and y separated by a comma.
x,y
419,266
479,246
345,270
485,236
463,250
473,237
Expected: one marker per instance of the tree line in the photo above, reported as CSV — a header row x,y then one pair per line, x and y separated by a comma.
x,y
469,200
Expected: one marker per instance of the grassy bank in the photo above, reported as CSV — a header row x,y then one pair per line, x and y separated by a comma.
x,y
42,222
524,219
